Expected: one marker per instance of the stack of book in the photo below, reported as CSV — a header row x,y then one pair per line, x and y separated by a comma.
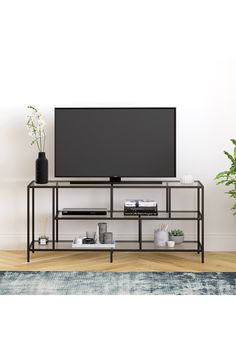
x,y
140,207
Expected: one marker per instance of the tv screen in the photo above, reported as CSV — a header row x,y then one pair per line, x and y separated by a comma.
x,y
107,142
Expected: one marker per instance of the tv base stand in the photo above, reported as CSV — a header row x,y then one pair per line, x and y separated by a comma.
x,y
114,179
139,244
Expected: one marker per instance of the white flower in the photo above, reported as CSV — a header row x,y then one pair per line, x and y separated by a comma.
x,y
41,123
31,110
31,133
35,125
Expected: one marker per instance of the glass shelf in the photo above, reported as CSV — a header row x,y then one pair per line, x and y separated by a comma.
x,y
124,184
190,246
119,215
128,246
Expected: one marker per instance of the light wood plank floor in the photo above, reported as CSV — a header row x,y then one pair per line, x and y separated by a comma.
x,y
122,262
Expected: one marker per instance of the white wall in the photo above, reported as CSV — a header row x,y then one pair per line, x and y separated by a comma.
x,y
119,53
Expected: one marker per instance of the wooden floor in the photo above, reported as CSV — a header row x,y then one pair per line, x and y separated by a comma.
x,y
122,262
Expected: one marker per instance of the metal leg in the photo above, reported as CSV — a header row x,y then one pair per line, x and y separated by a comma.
x,y
57,238
28,224
111,257
53,220
111,200
169,203
167,199
202,224
198,221
33,218
140,232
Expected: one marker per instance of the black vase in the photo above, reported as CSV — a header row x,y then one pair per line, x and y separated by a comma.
x,y
41,169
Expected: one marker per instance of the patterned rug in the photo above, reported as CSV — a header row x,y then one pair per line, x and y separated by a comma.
x,y
111,283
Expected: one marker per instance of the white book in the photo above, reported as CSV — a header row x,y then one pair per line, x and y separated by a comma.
x,y
140,203
131,203
143,203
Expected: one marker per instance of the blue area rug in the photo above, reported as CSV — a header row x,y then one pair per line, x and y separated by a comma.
x,y
111,283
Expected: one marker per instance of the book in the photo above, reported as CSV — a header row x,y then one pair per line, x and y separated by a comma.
x,y
140,211
140,203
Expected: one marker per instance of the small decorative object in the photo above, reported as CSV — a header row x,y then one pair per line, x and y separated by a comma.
x,y
102,228
35,125
229,177
176,235
91,234
88,241
108,238
161,236
171,244
41,169
78,241
43,240
90,238
187,179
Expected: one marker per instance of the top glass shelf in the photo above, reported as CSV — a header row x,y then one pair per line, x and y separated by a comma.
x,y
124,184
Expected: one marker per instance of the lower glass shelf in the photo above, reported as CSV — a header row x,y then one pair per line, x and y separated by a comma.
x,y
125,246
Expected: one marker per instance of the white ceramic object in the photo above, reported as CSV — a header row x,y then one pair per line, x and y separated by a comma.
x,y
160,238
171,244
187,179
78,241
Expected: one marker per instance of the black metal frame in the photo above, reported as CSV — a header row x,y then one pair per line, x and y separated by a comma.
x,y
55,186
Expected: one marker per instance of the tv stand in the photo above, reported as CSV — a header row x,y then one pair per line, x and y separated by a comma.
x,y
115,179
137,244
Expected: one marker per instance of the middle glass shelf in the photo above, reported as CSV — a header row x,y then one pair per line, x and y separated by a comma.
x,y
119,215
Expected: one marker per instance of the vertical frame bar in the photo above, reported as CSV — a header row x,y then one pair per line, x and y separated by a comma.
x,y
111,256
28,224
167,198
53,218
140,232
57,202
33,218
202,210
198,220
169,203
111,200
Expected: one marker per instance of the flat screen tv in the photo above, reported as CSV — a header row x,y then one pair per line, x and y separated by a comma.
x,y
115,142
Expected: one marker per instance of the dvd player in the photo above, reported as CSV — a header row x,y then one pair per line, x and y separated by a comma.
x,y
84,211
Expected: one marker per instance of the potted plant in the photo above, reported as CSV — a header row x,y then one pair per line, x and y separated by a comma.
x,y
176,235
228,177
35,125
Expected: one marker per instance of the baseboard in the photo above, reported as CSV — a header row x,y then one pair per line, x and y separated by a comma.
x,y
213,241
